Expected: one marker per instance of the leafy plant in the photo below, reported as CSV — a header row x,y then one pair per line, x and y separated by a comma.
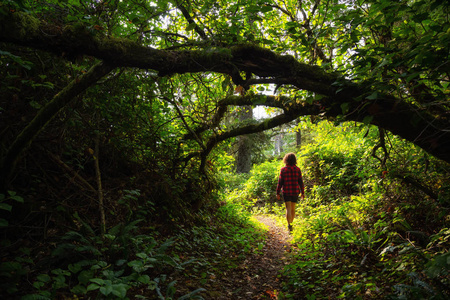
x,y
6,206
134,260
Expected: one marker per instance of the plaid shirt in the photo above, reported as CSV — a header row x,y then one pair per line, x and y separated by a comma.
x,y
291,181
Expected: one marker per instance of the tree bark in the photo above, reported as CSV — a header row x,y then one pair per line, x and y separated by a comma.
x,y
298,137
279,144
244,153
361,102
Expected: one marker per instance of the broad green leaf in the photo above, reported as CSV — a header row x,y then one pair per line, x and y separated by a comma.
x,y
92,287
120,290
345,106
98,281
191,26
5,206
43,277
372,96
106,290
367,120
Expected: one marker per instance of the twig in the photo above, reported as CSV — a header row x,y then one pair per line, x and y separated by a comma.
x,y
99,185
73,174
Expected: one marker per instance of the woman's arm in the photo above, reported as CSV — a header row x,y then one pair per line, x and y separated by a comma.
x,y
302,186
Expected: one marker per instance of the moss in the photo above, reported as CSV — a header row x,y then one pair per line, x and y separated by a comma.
x,y
19,25
247,51
27,24
213,54
78,33
120,45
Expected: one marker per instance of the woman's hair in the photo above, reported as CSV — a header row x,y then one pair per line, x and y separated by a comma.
x,y
290,159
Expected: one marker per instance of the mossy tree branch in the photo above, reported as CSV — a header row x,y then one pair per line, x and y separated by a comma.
x,y
357,102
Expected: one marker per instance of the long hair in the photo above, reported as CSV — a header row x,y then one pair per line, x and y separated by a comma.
x,y
290,159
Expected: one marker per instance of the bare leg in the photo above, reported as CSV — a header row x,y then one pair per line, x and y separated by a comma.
x,y
290,211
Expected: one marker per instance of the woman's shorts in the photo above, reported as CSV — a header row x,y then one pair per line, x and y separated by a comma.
x,y
289,198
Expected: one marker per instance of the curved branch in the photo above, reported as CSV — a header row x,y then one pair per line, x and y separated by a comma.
x,y
382,145
254,128
218,116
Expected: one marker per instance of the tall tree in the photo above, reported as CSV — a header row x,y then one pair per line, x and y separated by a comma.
x,y
298,136
244,152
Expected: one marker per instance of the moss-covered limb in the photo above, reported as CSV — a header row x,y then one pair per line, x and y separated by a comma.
x,y
266,63
44,116
400,118
405,120
72,40
288,104
254,128
23,29
395,115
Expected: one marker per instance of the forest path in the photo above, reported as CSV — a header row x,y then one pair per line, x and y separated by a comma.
x,y
256,277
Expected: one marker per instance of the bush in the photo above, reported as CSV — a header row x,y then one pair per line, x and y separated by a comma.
x,y
262,182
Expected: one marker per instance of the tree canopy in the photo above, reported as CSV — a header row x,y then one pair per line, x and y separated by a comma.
x,y
376,62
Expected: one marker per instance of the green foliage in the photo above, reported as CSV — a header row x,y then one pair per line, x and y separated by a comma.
x,y
254,189
332,164
4,205
262,181
361,233
132,261
11,273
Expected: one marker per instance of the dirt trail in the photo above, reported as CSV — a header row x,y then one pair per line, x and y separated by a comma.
x,y
256,278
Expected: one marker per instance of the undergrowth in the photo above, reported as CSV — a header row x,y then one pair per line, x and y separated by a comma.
x,y
134,260
365,230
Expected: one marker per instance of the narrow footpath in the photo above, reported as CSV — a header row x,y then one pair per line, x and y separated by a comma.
x,y
257,277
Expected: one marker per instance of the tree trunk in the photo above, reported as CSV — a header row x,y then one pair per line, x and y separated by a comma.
x,y
279,144
298,136
244,153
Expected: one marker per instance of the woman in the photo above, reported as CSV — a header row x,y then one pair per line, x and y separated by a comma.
x,y
291,182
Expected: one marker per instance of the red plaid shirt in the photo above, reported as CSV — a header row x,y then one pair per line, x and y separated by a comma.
x,y
291,181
